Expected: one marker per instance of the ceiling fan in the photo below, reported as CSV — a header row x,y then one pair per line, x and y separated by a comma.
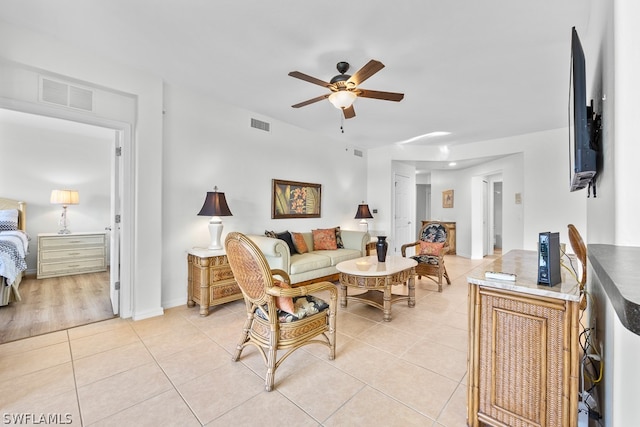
x,y
344,87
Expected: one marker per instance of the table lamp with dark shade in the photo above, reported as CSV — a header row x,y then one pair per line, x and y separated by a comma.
x,y
215,206
363,213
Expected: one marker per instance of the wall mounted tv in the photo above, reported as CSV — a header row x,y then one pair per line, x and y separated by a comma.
x,y
582,130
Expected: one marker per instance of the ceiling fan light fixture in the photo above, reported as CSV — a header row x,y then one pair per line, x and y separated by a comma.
x,y
342,99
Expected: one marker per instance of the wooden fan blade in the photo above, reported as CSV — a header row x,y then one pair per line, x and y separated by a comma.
x,y
349,112
307,78
311,101
365,72
376,94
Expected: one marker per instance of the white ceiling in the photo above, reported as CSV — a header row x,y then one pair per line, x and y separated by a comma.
x,y
477,69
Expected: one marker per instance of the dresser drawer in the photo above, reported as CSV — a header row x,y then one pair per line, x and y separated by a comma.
x,y
72,267
66,242
72,254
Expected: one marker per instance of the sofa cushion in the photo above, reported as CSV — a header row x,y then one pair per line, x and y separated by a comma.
x,y
324,239
299,243
339,255
301,263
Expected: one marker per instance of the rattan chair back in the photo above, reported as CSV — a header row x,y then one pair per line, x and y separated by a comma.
x,y
249,267
580,249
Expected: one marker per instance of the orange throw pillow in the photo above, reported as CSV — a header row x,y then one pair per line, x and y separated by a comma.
x,y
284,303
431,248
299,243
324,239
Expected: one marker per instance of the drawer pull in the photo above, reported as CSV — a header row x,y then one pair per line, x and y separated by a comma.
x,y
74,253
73,266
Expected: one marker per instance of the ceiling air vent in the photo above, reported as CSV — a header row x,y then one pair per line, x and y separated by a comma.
x,y
64,94
357,152
259,124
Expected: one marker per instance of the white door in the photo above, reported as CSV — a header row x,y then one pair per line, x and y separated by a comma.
x,y
485,219
403,232
114,229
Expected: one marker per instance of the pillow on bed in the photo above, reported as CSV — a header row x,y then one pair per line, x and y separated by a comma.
x,y
8,219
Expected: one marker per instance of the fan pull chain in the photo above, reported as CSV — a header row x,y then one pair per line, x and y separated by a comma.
x,y
341,121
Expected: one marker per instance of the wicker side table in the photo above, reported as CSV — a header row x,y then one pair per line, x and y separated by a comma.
x,y
210,279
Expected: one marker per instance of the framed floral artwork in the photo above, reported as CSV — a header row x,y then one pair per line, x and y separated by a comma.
x,y
447,199
292,199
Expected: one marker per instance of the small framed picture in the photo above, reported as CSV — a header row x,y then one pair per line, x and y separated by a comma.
x,y
447,199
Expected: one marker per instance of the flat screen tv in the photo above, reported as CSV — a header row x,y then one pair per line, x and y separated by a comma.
x,y
582,154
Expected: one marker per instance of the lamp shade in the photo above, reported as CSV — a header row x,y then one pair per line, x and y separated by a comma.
x,y
363,212
65,197
342,99
215,204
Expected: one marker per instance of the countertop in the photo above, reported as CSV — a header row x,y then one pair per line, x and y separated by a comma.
x,y
618,268
524,264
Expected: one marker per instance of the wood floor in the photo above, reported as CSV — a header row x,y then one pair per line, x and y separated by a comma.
x,y
57,303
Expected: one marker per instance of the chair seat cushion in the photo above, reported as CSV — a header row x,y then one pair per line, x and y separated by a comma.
x,y
304,306
426,259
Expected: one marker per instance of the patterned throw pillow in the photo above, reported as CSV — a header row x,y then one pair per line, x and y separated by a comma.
x,y
339,238
299,243
8,219
431,248
324,239
271,234
284,303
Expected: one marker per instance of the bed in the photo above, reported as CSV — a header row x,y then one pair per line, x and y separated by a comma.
x,y
14,245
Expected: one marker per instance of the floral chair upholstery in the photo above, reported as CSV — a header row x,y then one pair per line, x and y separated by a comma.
x,y
279,315
430,249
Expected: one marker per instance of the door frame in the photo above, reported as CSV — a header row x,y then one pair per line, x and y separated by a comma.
x,y
127,196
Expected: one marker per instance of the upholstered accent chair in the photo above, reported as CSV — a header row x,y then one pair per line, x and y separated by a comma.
x,y
280,316
430,249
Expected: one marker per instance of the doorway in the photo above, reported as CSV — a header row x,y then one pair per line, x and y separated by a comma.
x,y
401,217
92,166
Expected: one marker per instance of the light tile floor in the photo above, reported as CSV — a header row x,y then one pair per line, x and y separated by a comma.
x,y
176,369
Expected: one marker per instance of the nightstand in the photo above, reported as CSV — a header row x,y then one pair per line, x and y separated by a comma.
x,y
210,279
67,254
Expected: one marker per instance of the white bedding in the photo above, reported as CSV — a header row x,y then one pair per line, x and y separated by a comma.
x,y
14,246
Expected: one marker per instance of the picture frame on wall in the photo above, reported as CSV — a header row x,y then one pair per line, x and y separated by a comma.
x,y
447,199
293,199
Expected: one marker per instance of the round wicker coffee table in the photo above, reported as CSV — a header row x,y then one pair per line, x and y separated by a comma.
x,y
367,273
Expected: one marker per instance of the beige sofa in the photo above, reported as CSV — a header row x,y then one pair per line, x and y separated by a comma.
x,y
314,265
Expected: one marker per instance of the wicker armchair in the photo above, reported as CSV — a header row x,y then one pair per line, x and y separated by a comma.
x,y
430,249
279,317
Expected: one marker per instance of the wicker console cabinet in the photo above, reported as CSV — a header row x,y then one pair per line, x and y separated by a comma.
x,y
210,279
523,347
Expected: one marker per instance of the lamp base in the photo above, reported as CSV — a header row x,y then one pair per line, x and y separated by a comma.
x,y
215,230
64,231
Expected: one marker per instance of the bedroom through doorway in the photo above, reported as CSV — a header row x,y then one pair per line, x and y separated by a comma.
x,y
55,152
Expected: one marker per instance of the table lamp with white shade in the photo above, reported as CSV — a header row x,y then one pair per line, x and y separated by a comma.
x,y
64,198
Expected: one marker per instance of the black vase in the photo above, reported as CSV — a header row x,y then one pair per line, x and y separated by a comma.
x,y
381,248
